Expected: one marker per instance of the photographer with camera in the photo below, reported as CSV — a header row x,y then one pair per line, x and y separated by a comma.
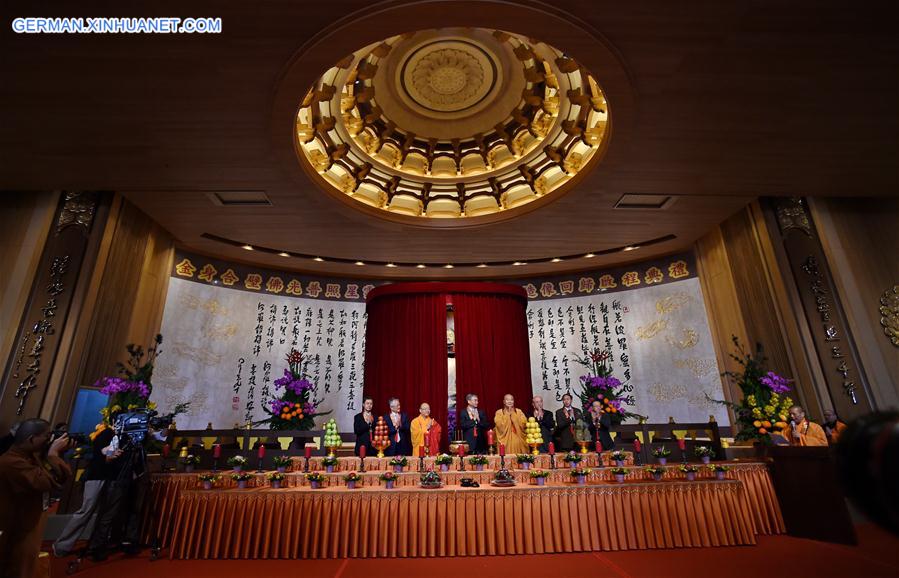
x,y
103,468
29,471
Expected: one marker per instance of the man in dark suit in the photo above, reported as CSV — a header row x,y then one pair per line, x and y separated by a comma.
x,y
546,421
364,426
600,424
399,428
565,419
474,425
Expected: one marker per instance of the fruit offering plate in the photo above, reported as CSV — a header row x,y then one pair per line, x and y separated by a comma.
x,y
430,486
502,483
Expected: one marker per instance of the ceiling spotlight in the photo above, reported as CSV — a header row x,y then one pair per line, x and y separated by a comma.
x,y
319,259
448,266
360,263
517,263
556,260
247,247
390,265
482,265
419,266
631,247
283,254
589,255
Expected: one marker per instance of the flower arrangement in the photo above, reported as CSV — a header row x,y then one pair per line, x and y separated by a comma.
x,y
237,461
656,472
688,469
539,474
704,452
293,409
329,461
209,477
578,472
600,385
388,477
573,458
765,406
192,460
282,461
661,452
525,458
477,460
275,477
618,456
352,477
718,468
618,471
399,461
443,459
241,476
315,477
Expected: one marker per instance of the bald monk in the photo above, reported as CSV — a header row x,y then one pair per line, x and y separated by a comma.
x,y
833,427
802,432
29,471
508,423
425,424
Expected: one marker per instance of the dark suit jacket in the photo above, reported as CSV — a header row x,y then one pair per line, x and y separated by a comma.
x,y
563,434
476,444
364,433
601,433
547,426
404,446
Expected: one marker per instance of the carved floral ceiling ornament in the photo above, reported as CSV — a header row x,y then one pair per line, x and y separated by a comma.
x,y
451,123
77,211
889,311
791,214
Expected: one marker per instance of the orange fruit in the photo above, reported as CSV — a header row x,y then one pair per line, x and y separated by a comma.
x,y
766,423
762,430
757,423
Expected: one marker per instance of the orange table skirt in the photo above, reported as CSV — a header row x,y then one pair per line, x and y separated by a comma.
x,y
763,506
413,522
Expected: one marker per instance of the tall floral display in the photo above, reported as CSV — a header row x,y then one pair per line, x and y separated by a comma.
x,y
293,409
765,406
600,385
132,387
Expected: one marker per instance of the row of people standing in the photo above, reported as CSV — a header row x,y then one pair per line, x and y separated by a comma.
x,y
508,424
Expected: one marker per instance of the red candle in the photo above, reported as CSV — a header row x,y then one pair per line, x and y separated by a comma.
x,y
427,441
308,452
637,445
489,437
216,451
552,448
502,449
165,450
261,451
461,451
682,443
362,452
598,447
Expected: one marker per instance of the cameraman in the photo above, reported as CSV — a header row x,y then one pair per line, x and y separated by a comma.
x,y
118,515
103,468
28,472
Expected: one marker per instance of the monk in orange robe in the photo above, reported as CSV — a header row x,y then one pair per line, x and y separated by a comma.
x,y
802,432
833,427
425,424
508,423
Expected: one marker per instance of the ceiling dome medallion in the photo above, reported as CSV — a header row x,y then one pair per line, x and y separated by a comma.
x,y
451,123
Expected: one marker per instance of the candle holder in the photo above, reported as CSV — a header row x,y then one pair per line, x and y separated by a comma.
x,y
361,464
306,466
502,461
381,445
332,451
421,463
461,463
535,449
683,455
260,470
552,461
583,446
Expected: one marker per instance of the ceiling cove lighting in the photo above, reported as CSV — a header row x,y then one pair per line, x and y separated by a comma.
x,y
247,247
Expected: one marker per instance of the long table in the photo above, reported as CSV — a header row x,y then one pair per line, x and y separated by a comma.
x,y
370,522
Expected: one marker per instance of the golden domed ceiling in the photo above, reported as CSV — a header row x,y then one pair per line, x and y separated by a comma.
x,y
451,123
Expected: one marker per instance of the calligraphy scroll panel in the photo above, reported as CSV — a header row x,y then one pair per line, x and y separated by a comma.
x,y
224,349
660,342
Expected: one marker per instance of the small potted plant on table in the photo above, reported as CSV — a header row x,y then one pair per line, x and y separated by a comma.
x,y
689,471
525,461
241,478
619,474
657,472
720,471
478,462
330,462
389,479
539,476
351,479
579,475
661,455
209,479
276,479
315,479
443,461
237,462
619,457
398,463
191,462
282,463
704,453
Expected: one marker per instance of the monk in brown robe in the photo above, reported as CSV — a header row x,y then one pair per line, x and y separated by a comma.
x,y
802,432
509,423
28,472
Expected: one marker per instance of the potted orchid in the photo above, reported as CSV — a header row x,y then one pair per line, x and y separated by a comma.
x,y
241,478
237,462
689,471
190,462
719,470
573,459
330,462
619,457
275,478
656,472
704,453
539,476
315,480
478,462
619,474
398,463
389,479
444,461
351,479
209,479
661,454
579,475
282,463
525,460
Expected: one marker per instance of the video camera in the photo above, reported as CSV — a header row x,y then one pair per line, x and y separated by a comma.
x,y
77,439
132,426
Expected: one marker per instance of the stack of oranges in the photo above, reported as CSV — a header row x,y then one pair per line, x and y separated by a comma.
x,y
292,410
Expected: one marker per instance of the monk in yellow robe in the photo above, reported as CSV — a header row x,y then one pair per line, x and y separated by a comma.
x,y
802,432
833,427
508,423
422,425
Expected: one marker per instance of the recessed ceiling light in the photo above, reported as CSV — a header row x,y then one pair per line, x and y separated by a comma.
x,y
360,263
448,266
631,248
517,263
556,260
482,265
589,255
419,266
247,247
319,259
283,254
390,265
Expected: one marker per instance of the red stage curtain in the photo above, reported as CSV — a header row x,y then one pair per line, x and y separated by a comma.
x,y
405,354
492,352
